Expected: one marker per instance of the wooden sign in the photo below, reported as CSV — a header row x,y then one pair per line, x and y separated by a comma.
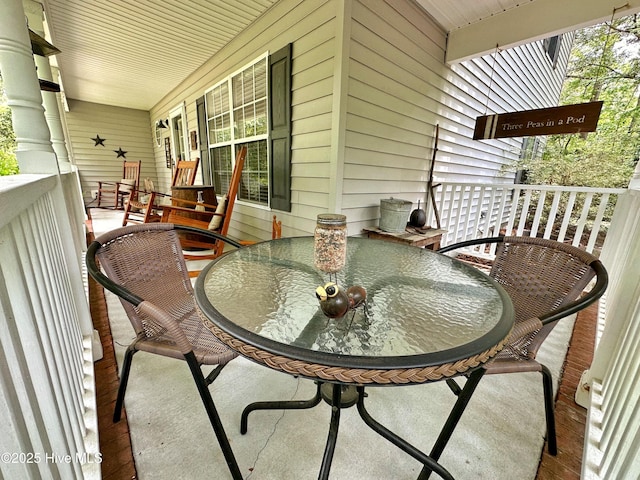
x,y
582,117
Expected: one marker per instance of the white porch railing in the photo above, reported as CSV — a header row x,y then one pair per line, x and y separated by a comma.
x,y
611,387
604,221
575,215
47,386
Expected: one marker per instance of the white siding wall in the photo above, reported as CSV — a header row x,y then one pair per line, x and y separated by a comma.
x,y
395,86
369,86
310,26
520,78
400,88
121,128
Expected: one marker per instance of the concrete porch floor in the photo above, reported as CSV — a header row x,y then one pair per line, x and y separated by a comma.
x,y
115,441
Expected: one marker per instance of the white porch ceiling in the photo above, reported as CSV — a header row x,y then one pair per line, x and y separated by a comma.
x,y
476,27
131,53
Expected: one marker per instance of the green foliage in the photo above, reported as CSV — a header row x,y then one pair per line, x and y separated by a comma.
x,y
604,65
7,137
8,162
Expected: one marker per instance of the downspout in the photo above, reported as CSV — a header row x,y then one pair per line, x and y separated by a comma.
x,y
339,106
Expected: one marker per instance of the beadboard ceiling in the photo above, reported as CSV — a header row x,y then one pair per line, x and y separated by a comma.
x,y
131,53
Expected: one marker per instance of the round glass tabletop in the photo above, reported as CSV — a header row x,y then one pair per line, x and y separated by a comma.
x,y
422,308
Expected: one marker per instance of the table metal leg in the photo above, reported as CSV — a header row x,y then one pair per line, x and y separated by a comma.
x,y
445,434
279,405
398,441
333,433
430,462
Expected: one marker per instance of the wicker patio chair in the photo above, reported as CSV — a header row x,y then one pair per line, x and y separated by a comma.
x,y
545,280
145,268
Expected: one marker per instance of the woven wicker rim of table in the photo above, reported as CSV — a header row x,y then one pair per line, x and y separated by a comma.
x,y
359,376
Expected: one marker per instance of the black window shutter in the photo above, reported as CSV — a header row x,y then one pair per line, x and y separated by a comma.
x,y
205,165
280,133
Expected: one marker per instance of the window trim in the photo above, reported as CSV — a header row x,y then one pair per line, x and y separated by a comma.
x,y
179,111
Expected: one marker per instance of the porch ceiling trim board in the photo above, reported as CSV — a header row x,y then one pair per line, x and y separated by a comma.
x,y
523,23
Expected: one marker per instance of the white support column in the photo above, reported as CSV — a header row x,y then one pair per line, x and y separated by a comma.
x,y
621,257
35,20
35,153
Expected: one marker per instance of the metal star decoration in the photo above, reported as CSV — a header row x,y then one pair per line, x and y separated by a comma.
x,y
120,152
98,140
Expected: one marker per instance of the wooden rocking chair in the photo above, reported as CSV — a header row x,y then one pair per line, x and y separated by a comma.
x,y
142,208
127,186
215,218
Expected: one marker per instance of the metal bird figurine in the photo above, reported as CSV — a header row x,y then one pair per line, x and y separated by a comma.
x,y
334,301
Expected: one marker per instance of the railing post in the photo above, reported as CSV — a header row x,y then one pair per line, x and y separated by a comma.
x,y
609,388
621,256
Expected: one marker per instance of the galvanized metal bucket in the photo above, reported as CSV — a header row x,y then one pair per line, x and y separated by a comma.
x,y
394,214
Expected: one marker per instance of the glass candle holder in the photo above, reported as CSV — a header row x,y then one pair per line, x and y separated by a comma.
x,y
330,242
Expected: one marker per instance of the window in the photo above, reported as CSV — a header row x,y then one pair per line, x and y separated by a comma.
x,y
552,48
528,152
252,107
236,114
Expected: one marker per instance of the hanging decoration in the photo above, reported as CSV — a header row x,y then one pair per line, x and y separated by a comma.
x,y
98,140
120,152
578,118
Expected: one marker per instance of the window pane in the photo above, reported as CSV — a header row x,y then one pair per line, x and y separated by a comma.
x,y
218,100
247,87
236,85
177,137
261,79
222,168
255,176
261,117
218,114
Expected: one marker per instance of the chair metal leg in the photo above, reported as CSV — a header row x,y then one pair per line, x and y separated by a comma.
x,y
279,405
458,409
547,382
214,374
214,418
124,379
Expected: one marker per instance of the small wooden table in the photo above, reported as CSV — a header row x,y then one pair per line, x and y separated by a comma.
x,y
430,238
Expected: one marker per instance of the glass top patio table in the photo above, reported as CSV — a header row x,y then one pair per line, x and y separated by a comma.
x,y
428,316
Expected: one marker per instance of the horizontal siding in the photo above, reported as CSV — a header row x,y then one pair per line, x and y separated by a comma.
x,y
121,128
397,90
400,88
395,76
310,27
